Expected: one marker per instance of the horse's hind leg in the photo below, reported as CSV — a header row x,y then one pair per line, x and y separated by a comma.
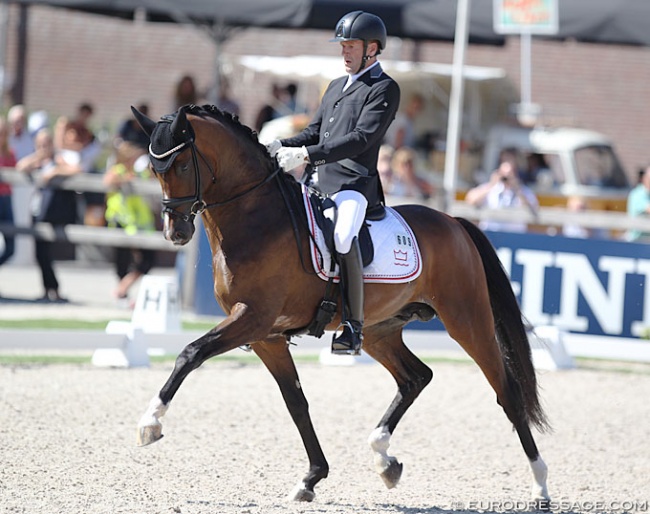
x,y
486,353
384,343
277,358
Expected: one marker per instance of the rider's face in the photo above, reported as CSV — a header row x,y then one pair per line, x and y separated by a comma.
x,y
352,52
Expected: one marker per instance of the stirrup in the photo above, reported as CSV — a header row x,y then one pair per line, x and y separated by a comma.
x,y
348,342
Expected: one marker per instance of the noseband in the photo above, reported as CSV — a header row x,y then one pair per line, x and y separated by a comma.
x,y
170,205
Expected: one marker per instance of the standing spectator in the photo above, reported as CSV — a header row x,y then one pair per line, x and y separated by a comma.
x,y
504,190
20,140
402,131
638,204
130,130
130,212
7,159
50,204
74,136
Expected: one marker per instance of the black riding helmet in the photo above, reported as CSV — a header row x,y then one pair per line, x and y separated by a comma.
x,y
363,26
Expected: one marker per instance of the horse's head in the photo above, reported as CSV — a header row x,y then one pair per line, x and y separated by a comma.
x,y
184,158
175,162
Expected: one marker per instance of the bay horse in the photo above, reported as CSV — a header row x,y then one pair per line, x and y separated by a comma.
x,y
208,163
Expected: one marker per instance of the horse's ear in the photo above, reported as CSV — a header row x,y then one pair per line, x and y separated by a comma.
x,y
179,126
145,122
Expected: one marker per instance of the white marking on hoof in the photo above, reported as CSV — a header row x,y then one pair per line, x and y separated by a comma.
x,y
540,473
149,426
389,469
300,493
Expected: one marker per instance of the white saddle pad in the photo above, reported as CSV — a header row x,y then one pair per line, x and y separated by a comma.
x,y
397,256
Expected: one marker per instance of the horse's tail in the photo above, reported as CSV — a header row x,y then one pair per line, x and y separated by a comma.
x,y
510,330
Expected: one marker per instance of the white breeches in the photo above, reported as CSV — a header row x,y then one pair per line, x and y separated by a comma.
x,y
351,211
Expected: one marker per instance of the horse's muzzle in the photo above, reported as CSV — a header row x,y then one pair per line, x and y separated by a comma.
x,y
178,232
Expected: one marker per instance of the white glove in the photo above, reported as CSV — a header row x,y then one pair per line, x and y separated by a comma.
x,y
290,158
273,147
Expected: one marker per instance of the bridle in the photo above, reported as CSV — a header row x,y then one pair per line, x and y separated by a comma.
x,y
170,205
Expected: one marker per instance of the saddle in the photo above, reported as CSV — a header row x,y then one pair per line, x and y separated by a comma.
x,y
320,204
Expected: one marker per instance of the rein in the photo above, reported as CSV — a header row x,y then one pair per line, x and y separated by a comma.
x,y
170,205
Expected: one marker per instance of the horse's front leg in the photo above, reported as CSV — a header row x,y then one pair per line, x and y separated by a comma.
x,y
237,329
385,345
276,357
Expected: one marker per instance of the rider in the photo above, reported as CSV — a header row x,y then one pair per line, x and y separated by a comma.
x,y
341,145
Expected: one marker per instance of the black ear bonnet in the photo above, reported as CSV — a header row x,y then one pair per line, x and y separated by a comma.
x,y
169,138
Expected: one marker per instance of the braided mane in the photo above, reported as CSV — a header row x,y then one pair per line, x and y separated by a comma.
x,y
233,121
248,133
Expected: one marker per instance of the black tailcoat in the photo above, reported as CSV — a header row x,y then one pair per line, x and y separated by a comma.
x,y
344,137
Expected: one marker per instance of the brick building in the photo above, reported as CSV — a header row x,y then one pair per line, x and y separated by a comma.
x,y
74,57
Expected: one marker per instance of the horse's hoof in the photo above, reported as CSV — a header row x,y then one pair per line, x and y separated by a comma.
x,y
300,493
149,434
392,473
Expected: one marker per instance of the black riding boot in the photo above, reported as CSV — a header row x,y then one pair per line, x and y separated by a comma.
x,y
349,342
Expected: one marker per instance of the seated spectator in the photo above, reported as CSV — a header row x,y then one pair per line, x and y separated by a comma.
x,y
20,140
50,204
130,131
130,212
536,168
638,204
385,166
225,102
405,180
504,190
402,131
575,204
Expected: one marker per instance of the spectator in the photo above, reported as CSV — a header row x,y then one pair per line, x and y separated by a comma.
x,y
186,92
536,169
402,131
575,204
406,181
225,102
385,166
20,141
293,106
74,136
38,120
276,108
130,131
504,190
50,204
7,159
130,212
638,204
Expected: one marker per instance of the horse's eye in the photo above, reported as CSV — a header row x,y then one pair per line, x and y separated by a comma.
x,y
185,168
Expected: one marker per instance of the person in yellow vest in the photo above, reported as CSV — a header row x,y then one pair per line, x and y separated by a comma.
x,y
130,212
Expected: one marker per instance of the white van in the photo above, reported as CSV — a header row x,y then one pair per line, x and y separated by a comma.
x,y
577,162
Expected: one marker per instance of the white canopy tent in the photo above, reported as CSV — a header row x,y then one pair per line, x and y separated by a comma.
x,y
487,95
